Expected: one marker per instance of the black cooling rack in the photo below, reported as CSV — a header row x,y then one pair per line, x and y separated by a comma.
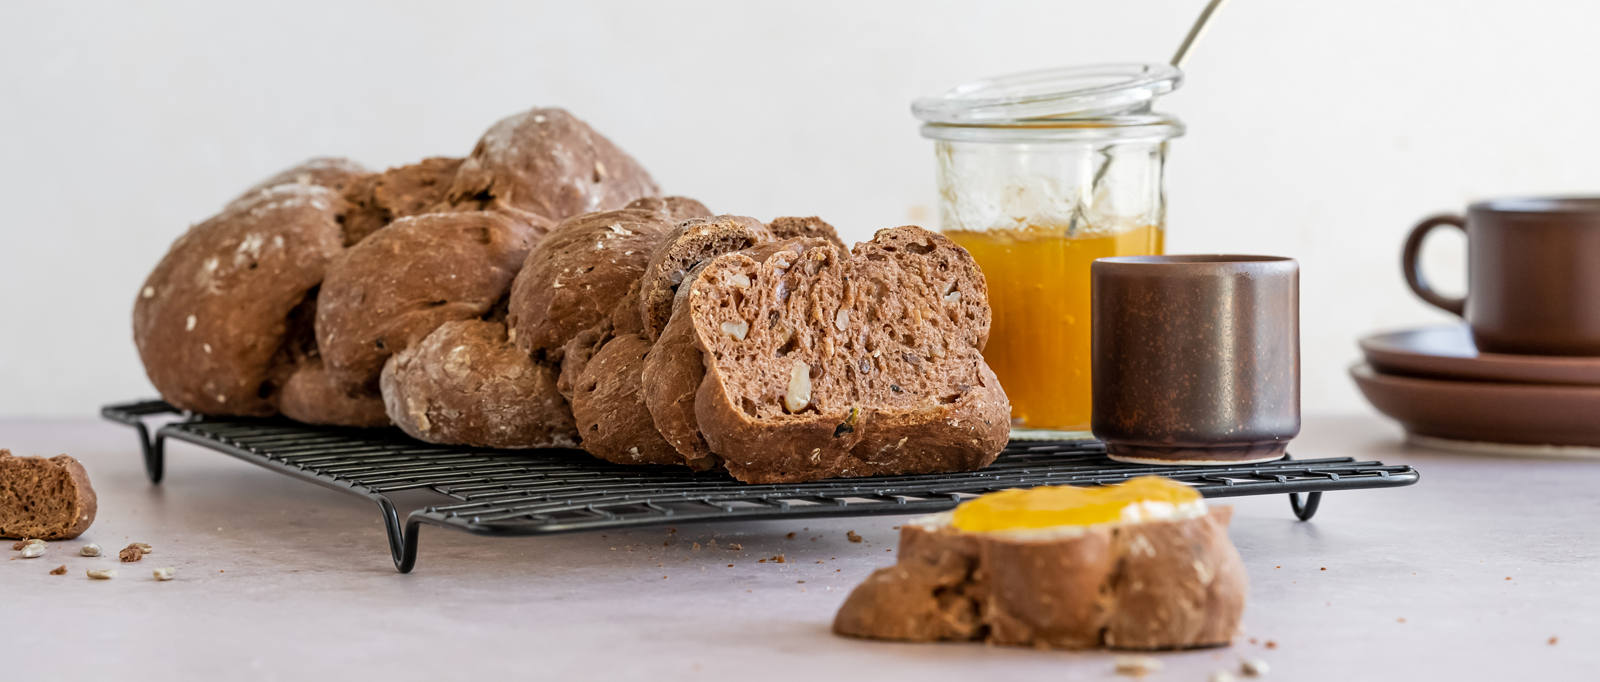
x,y
498,492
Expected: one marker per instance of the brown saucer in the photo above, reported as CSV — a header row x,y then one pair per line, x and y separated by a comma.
x,y
1447,352
1485,411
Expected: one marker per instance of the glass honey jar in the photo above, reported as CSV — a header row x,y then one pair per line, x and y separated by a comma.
x,y
1039,174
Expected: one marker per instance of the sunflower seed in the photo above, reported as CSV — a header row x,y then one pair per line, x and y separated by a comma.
x,y
101,573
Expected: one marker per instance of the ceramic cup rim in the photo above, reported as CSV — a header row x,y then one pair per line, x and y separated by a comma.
x,y
1193,265
1539,205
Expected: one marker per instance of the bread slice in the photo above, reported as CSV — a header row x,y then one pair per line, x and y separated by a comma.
x,y
689,244
1158,584
820,363
47,499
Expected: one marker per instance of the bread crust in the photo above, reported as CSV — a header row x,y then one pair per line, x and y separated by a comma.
x,y
548,162
1171,584
211,320
333,172
906,286
311,396
395,287
466,384
574,278
791,227
76,501
377,199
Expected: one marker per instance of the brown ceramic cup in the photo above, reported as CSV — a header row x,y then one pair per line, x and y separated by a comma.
x,y
1533,274
1196,359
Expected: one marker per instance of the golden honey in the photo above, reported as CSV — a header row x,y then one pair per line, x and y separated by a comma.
x,y
1054,506
1038,280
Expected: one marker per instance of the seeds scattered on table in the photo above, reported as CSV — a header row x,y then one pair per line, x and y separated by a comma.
x,y
852,536
1138,666
32,551
101,573
130,554
90,549
59,570
1253,667
164,574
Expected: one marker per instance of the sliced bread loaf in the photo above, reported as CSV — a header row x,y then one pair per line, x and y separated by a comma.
x,y
47,499
821,363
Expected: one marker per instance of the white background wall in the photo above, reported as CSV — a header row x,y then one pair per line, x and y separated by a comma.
x,y
1318,129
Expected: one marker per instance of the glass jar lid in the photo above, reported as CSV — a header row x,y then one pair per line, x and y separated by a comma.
x,y
1102,100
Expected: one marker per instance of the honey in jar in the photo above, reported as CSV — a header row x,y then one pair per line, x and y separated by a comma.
x,y
1039,174
1038,280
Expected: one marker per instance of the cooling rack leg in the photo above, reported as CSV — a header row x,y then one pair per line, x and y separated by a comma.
x,y
1305,511
155,456
402,542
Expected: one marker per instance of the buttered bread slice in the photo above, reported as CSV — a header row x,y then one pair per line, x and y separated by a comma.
x,y
1140,565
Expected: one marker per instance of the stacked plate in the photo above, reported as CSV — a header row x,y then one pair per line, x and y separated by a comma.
x,y
1445,392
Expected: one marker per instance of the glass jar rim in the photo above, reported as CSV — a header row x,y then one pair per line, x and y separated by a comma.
x,y
1098,91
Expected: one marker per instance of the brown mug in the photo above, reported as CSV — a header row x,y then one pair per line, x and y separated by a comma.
x,y
1195,359
1533,274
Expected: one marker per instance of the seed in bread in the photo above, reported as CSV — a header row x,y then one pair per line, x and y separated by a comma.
x,y
465,383
1044,569
211,320
332,172
548,162
48,499
398,285
377,199
855,364
576,275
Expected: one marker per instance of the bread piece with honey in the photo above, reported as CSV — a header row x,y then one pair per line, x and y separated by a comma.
x,y
47,499
820,363
1136,566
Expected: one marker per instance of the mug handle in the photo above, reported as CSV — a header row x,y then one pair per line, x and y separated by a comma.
x,y
1411,255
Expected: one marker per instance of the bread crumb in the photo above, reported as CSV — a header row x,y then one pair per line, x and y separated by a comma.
x,y
1401,619
1324,568
736,547
730,565
1508,577
695,547
1137,666
62,570
852,536
779,559
1552,641
130,554
18,545
789,536
1271,644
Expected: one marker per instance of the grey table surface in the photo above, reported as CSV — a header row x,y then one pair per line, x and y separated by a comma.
x,y
1484,570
